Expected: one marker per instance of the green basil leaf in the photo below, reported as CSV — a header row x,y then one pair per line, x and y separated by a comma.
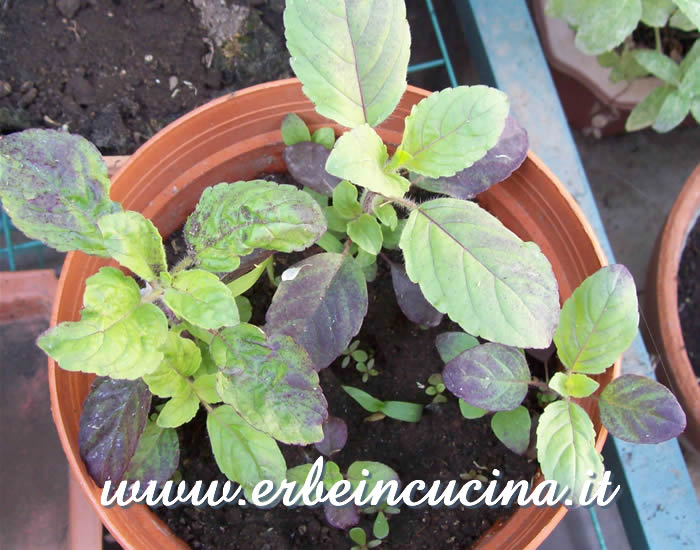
x,y
645,112
244,454
244,282
690,82
376,472
232,219
512,428
181,358
450,130
201,299
117,335
134,242
566,447
54,186
271,383
325,137
679,20
178,410
655,13
205,387
360,156
598,321
366,232
659,65
691,9
294,130
640,410
469,411
600,24
579,385
673,111
351,57
345,203
387,215
482,275
245,309
451,344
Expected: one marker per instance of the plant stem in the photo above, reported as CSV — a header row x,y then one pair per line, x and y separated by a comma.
x,y
186,262
270,270
657,39
406,203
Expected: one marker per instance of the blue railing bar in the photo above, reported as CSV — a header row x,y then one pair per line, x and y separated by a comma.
x,y
598,530
22,246
426,65
8,240
441,43
657,501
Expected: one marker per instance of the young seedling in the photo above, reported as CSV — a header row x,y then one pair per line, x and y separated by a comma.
x,y
364,360
359,537
435,388
398,410
176,331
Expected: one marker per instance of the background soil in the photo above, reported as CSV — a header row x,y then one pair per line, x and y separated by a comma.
x,y
117,71
689,296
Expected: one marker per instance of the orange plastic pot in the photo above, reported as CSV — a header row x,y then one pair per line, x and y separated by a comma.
x,y
237,137
665,336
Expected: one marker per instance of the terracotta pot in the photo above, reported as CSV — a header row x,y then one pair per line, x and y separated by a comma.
x,y
665,336
238,137
591,102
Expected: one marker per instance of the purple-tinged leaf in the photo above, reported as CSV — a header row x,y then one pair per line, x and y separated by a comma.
x,y
640,410
306,162
271,383
335,435
451,344
55,187
512,428
341,517
411,300
499,163
113,419
322,308
157,455
490,376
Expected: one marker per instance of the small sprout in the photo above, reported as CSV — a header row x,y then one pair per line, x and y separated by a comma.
x,y
436,388
367,369
380,529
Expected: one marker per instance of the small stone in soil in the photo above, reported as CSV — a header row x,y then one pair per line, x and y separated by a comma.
x,y
5,88
108,130
82,91
28,97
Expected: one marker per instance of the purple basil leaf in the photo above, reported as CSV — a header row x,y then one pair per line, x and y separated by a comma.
x,y
322,307
542,355
640,410
499,163
411,300
491,376
157,455
113,419
342,517
335,435
306,162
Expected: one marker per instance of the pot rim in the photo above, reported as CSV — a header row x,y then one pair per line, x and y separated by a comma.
x,y
74,258
664,317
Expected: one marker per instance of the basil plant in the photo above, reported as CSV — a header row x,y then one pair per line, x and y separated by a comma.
x,y
181,333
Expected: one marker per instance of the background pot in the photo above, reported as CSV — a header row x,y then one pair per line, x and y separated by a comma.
x,y
665,336
589,99
237,137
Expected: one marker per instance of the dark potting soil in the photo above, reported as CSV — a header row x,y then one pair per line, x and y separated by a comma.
x,y
441,446
674,42
689,296
117,71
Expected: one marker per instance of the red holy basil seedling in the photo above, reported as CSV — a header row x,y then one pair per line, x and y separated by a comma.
x,y
181,332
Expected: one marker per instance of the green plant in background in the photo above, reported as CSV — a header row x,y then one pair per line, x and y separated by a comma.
x,y
604,28
177,331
